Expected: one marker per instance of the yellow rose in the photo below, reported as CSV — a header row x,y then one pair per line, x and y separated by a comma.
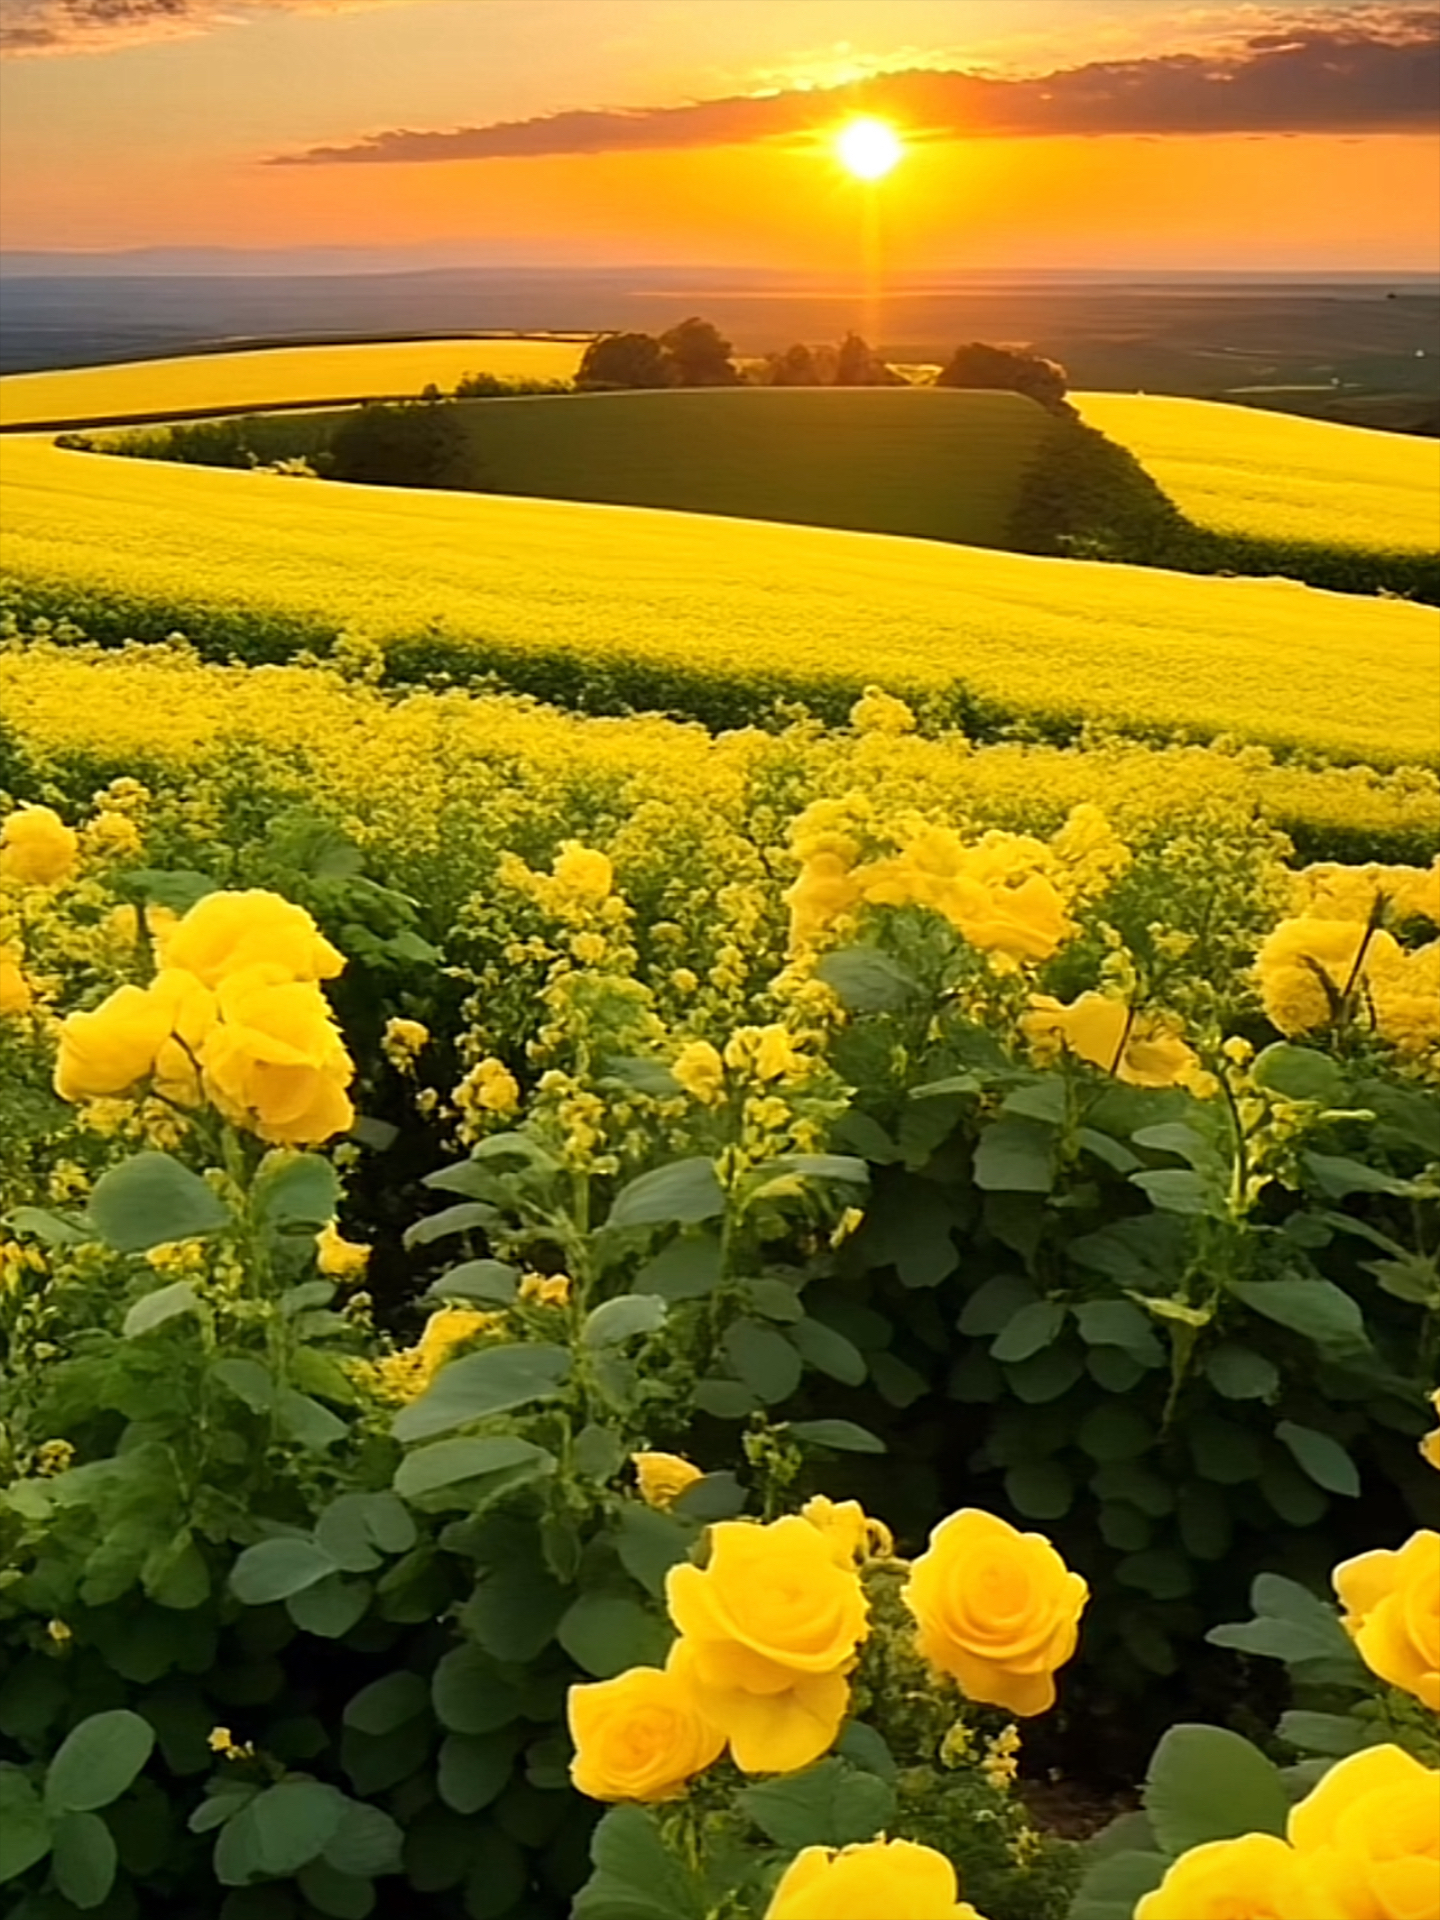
x,y
663,1477
189,1010
882,1880
338,1258
227,932
1369,1836
997,1610
275,1063
852,1534
770,1606
825,889
777,1731
1405,993
106,1051
700,1071
1140,1050
37,848
640,1736
1255,1877
584,871
1027,921
1293,959
15,995
1392,1612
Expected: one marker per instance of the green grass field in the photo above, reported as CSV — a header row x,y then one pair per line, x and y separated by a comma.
x,y
616,606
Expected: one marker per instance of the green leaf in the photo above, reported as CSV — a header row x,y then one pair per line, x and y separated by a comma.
x,y
1300,1073
1029,1330
1332,1733
1114,1886
158,1307
295,1193
1115,1433
636,1876
685,1191
468,1694
83,1859
843,1435
293,1822
1336,1176
1206,1783
470,1216
248,1381
995,1303
1320,1310
605,1633
55,1229
24,1824
274,1569
340,1895
151,1199
1015,1156
494,1380
448,1463
331,1607
1042,1491
828,1351
1322,1457
1223,1450
358,1529
388,1703
1175,1189
763,1359
716,1496
474,1769
491,1281
623,1318
1119,1323
649,1543
687,1269
97,1761
867,980
598,1453
829,1805
1240,1373
306,1422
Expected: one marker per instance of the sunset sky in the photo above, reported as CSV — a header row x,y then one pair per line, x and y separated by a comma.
x,y
1059,133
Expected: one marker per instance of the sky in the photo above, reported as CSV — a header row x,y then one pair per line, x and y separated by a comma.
x,y
1071,134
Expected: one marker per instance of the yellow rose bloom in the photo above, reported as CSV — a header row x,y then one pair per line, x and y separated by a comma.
x,y
275,1063
663,1477
770,1606
641,1736
189,1010
1369,1837
338,1258
583,871
1254,1877
1026,922
1293,957
489,1087
107,1050
1141,1051
1392,1612
15,995
776,1731
700,1071
37,849
1405,992
225,933
825,889
852,1534
998,1610
882,1880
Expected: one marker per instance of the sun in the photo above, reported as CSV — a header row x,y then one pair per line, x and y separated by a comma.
x,y
869,148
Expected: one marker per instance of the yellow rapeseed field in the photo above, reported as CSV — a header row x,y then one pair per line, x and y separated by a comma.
x,y
272,376
667,605
1277,476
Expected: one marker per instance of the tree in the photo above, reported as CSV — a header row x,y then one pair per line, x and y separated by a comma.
x,y
625,360
795,367
700,354
1010,369
416,444
858,365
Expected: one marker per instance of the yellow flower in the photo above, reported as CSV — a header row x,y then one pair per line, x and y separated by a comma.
x,y
825,889
1306,965
37,848
641,1736
190,1011
852,1534
589,948
15,995
1254,1877
1430,1445
1405,992
226,933
700,1071
402,1040
996,1609
275,1063
489,1087
879,712
111,834
767,1052
882,1880
405,1375
61,1634
1369,1836
663,1477
546,1289
770,1629
1139,1049
1392,1612
106,1051
1000,1762
581,870
338,1258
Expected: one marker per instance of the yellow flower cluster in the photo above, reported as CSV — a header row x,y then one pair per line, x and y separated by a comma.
x,y
1329,891
1364,1844
405,1375
663,1477
338,1258
1392,1612
1141,1049
402,1041
882,1880
1321,971
235,1016
37,849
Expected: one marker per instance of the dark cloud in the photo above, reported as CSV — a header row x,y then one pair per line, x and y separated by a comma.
x,y
1373,72
100,26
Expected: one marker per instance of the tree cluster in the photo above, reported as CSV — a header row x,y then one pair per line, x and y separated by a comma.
x,y
854,363
1011,369
692,354
416,444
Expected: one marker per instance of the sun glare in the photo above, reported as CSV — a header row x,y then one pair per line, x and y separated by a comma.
x,y
869,148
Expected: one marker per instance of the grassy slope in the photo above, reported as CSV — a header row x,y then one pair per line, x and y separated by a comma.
x,y
711,616
938,465
1276,476
273,375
